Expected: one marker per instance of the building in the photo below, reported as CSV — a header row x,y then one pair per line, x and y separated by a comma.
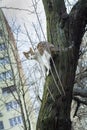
x,y
15,106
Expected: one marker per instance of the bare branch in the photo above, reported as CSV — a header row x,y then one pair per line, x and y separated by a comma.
x,y
16,9
81,75
80,101
80,92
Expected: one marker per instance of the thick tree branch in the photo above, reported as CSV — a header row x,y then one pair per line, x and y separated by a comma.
x,y
78,21
56,16
57,6
79,101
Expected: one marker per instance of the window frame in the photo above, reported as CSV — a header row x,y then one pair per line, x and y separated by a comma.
x,y
5,60
3,46
12,105
6,75
8,90
15,121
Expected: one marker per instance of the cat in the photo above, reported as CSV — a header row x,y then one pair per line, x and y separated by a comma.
x,y
41,54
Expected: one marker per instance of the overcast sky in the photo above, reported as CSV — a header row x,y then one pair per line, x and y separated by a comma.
x,y
21,4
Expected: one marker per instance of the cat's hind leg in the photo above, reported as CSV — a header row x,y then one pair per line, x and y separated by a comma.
x,y
43,70
47,66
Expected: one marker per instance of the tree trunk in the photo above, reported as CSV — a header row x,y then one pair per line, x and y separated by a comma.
x,y
65,32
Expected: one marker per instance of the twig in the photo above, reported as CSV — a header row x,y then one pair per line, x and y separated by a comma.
x,y
17,9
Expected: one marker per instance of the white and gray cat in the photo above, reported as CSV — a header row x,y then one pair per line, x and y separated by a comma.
x,y
41,54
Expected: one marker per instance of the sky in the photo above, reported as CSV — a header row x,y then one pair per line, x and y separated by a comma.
x,y
21,4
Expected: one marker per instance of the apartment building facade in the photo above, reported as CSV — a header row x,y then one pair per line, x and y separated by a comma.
x,y
15,106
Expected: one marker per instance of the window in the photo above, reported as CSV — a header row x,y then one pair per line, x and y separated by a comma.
x,y
15,121
1,125
6,75
12,105
8,90
3,47
4,60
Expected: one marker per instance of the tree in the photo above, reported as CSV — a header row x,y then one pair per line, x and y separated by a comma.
x,y
65,31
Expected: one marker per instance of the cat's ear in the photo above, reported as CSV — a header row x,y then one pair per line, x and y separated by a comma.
x,y
38,45
31,51
26,54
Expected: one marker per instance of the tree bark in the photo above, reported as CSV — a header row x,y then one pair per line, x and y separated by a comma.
x,y
64,31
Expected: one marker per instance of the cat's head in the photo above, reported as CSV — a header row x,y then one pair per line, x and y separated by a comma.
x,y
30,54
